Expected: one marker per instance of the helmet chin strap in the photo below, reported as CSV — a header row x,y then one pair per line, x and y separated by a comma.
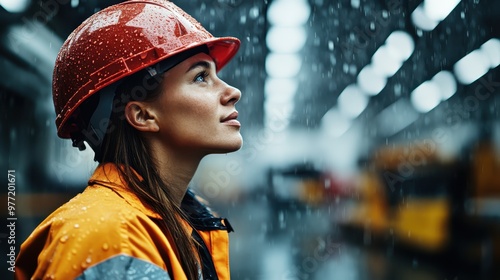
x,y
98,124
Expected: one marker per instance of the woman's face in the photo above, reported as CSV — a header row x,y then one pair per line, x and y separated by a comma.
x,y
196,111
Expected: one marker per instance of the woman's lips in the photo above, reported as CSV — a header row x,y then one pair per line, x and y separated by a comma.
x,y
231,119
233,122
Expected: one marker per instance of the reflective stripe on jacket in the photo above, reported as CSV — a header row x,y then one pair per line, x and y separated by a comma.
x,y
106,232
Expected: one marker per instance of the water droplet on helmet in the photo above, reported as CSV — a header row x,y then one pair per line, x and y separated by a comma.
x,y
105,246
76,225
63,239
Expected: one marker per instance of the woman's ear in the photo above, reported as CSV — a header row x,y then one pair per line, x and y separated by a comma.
x,y
141,117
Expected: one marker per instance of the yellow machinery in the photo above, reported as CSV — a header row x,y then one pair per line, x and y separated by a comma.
x,y
403,193
434,205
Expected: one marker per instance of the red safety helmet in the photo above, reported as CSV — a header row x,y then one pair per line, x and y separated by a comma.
x,y
119,41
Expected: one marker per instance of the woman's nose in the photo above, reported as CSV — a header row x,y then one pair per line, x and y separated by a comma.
x,y
231,95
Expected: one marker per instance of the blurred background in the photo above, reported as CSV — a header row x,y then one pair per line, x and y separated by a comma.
x,y
371,132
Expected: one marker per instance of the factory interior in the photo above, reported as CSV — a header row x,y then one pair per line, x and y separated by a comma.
x,y
371,134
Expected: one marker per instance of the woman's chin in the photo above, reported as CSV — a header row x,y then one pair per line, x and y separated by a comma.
x,y
230,146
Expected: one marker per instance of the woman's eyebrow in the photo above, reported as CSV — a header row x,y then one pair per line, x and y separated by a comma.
x,y
201,63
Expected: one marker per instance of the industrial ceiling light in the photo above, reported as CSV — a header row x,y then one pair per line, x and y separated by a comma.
x,y
280,90
286,39
431,12
439,9
15,6
288,12
371,81
421,20
471,67
400,44
446,83
492,50
334,123
352,101
385,62
426,96
279,101
283,65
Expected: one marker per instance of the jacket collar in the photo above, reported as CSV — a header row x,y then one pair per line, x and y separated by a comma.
x,y
107,175
199,215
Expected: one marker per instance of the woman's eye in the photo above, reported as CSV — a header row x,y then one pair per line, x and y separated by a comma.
x,y
201,77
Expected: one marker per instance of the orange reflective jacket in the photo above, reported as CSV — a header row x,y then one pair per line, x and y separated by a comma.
x,y
106,232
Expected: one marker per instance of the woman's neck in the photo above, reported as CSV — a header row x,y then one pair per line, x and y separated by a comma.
x,y
176,169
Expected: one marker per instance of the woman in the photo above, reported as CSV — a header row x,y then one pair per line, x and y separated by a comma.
x,y
138,82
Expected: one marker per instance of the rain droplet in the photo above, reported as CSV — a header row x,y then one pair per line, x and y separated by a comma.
x,y
254,12
76,225
88,260
63,239
105,246
345,67
281,216
243,19
330,45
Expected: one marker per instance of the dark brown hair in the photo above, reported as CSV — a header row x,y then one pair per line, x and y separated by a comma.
x,y
126,148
